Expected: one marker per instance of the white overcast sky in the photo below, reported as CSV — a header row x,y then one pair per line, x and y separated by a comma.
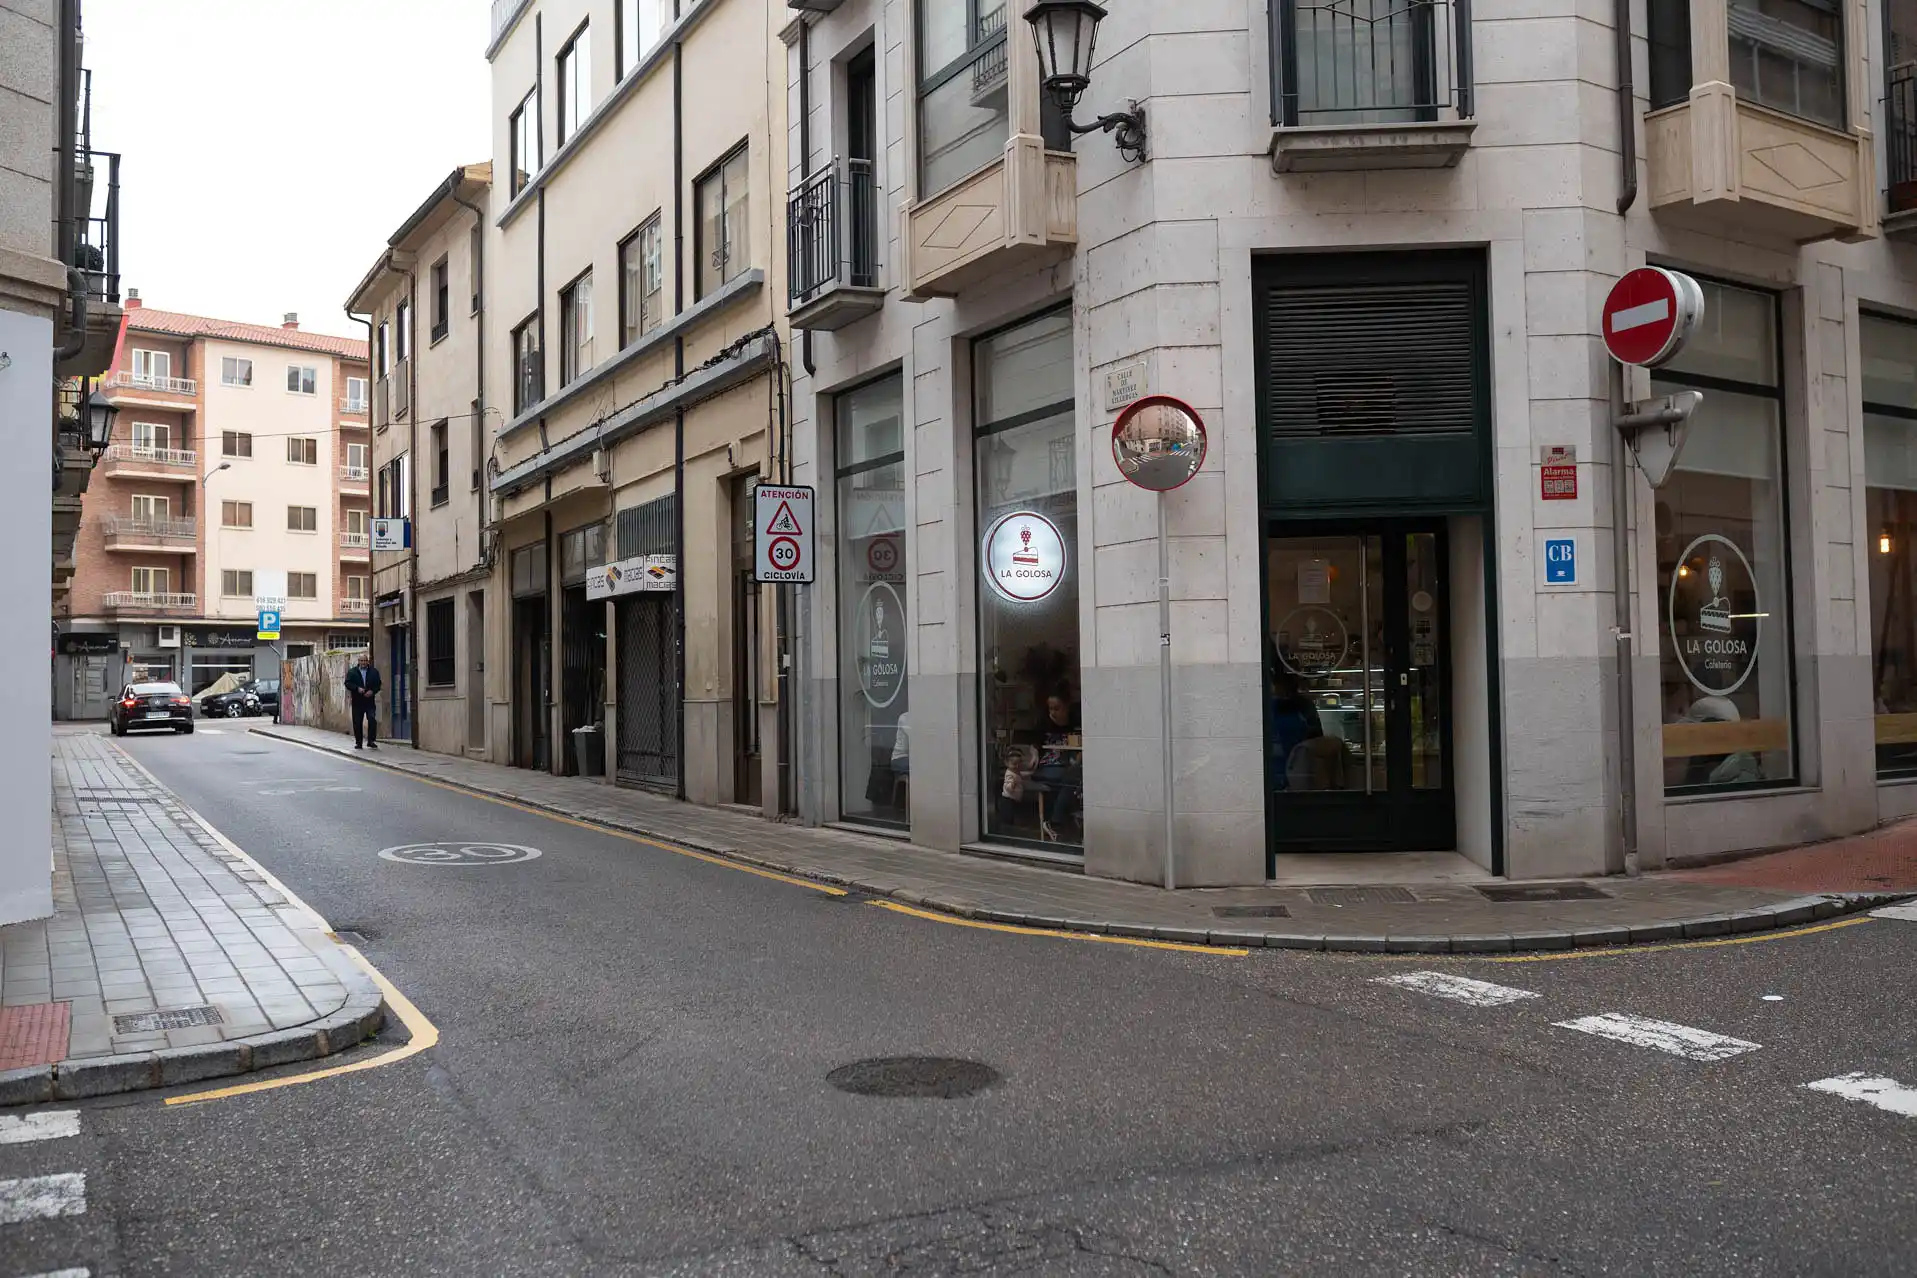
x,y
271,146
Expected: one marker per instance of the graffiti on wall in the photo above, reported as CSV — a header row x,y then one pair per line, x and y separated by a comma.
x,y
313,691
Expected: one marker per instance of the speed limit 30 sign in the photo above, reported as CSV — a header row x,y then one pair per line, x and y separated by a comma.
x,y
782,540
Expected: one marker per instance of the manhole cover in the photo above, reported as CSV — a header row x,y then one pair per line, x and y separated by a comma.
x,y
157,1022
916,1077
1505,893
1376,895
1250,912
460,852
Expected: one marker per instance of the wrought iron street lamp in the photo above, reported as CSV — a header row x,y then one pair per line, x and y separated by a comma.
x,y
1065,32
96,418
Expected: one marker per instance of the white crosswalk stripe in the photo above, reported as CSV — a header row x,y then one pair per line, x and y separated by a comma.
x,y
1664,1036
66,1273
1907,912
43,1197
48,1126
1872,1089
1458,989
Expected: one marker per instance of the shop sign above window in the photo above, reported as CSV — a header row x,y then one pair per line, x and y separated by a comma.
x,y
1024,557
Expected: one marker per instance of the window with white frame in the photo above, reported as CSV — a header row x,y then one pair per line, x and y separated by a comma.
x,y
236,514
356,523
356,394
356,588
302,451
152,581
236,443
302,379
151,510
235,371
302,519
152,367
236,583
356,457
302,585
151,438
575,329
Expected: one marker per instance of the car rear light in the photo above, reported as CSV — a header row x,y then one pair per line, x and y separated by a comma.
x,y
182,701
131,702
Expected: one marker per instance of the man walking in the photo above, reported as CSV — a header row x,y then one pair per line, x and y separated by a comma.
x,y
362,692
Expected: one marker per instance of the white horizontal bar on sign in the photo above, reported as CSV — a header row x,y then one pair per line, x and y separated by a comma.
x,y
31,1127
1459,989
1665,1036
1872,1089
43,1197
1638,316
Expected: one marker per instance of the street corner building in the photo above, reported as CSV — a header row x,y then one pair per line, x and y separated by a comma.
x,y
1372,256
236,479
635,364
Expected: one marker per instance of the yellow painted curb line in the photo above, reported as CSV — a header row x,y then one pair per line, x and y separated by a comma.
x,y
422,1035
1019,930
1624,951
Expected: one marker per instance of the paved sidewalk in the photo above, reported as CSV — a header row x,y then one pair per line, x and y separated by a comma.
x,y
1416,918
1881,860
169,958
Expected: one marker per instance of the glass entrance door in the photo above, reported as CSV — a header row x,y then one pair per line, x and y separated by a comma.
x,y
1358,717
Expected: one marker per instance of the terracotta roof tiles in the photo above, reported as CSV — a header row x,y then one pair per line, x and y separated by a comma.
x,y
148,319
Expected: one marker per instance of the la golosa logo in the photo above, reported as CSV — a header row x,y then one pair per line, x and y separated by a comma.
x,y
1714,614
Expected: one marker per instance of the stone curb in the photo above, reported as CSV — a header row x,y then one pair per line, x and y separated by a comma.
x,y
1789,913
362,1015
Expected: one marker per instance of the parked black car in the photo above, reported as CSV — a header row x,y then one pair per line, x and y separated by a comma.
x,y
268,692
230,705
151,705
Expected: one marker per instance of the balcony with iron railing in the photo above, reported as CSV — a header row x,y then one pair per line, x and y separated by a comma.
x,y
351,607
354,407
149,603
354,476
354,545
832,246
504,11
162,536
148,461
1370,84
1900,151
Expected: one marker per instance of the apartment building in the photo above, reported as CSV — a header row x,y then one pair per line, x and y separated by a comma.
x,y
431,437
634,280
59,315
1369,252
240,459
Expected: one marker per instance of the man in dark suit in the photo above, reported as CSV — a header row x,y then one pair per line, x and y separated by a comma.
x,y
362,693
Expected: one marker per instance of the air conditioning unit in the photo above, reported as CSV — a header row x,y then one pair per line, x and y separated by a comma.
x,y
169,636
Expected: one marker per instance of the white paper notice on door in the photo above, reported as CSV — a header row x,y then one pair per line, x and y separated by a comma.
x,y
1314,582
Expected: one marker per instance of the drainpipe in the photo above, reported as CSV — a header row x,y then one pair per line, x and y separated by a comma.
x,y
679,414
1626,106
479,352
805,164
412,483
65,216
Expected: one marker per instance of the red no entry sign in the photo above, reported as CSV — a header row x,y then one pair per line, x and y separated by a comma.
x,y
1650,314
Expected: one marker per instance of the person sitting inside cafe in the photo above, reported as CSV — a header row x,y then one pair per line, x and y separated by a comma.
x,y
1060,767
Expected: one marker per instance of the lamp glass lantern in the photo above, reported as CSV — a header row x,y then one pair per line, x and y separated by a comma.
x,y
1065,32
96,418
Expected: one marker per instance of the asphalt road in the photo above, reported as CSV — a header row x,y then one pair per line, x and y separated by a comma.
x,y
632,1079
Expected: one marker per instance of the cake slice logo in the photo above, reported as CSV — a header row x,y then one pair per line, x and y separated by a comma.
x,y
1025,554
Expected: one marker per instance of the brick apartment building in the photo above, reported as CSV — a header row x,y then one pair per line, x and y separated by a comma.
x,y
240,452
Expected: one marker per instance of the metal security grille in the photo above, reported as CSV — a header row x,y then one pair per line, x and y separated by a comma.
x,y
648,695
1371,359
647,529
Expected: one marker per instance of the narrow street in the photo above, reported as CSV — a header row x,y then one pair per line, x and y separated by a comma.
x,y
632,1077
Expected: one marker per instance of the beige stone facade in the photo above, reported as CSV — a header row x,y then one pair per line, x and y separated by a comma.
x,y
432,431
636,422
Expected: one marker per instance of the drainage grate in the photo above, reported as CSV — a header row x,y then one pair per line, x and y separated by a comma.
x,y
1250,912
914,1077
156,1022
1505,893
1378,895
356,937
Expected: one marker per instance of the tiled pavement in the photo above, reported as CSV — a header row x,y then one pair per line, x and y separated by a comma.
x,y
1881,860
154,915
1427,917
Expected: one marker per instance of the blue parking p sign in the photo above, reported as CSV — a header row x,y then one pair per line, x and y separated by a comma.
x,y
269,627
1560,561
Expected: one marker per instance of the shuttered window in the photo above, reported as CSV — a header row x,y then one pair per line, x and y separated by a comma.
x,y
647,529
1371,359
